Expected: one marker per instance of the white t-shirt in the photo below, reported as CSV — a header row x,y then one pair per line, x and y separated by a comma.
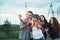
x,y
37,33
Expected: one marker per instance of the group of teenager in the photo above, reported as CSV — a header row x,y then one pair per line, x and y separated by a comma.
x,y
34,27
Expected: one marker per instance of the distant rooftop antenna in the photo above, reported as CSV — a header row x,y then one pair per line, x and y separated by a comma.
x,y
58,14
25,7
50,9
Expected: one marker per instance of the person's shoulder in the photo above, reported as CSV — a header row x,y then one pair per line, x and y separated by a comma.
x,y
40,23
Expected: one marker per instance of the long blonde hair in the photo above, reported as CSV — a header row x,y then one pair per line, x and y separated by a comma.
x,y
35,23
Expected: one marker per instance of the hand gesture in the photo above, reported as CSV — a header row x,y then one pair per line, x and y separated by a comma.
x,y
20,16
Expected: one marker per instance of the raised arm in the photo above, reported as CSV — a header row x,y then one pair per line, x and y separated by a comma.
x,y
20,18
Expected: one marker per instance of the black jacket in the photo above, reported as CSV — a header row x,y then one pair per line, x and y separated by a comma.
x,y
53,33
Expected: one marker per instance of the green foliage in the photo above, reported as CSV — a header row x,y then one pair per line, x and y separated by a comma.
x,y
9,31
7,27
14,33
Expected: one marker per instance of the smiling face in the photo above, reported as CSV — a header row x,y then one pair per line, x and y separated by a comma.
x,y
29,15
51,20
41,18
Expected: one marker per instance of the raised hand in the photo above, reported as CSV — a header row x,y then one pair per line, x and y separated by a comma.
x,y
20,16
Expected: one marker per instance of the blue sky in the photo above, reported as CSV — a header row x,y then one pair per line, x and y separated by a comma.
x,y
11,8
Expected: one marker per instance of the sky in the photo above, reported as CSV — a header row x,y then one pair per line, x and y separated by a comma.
x,y
9,9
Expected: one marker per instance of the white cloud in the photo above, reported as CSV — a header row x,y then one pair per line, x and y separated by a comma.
x,y
10,8
38,1
11,17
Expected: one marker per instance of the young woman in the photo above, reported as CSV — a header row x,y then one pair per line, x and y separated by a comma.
x,y
45,25
25,26
54,28
36,31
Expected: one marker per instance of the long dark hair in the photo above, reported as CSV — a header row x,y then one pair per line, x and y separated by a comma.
x,y
55,23
45,21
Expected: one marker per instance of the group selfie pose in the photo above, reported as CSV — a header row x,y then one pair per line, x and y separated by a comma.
x,y
35,27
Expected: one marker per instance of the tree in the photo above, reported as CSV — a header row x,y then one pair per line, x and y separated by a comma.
x,y
7,27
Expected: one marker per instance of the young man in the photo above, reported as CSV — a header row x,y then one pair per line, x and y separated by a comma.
x,y
25,26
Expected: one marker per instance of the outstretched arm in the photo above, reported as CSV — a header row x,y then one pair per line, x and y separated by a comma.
x,y
20,18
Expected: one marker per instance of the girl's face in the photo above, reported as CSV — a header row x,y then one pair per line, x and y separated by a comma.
x,y
51,21
42,18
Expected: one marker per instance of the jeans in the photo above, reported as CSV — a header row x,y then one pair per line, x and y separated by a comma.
x,y
44,35
31,39
40,39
